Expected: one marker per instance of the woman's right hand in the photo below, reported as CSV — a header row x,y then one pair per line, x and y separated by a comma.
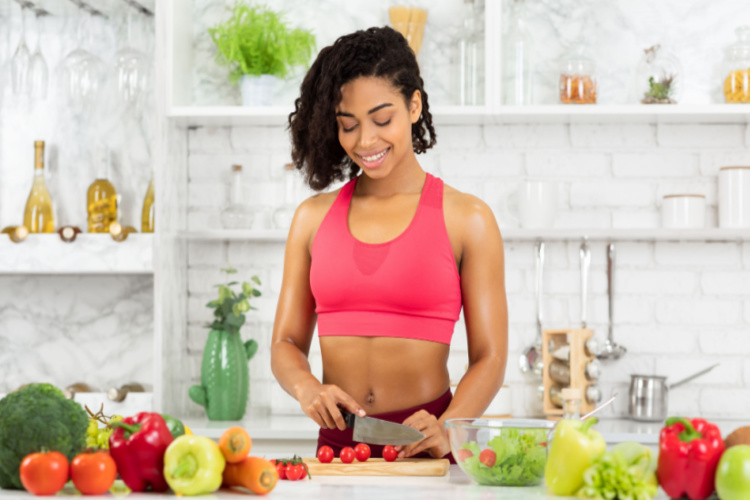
x,y
321,403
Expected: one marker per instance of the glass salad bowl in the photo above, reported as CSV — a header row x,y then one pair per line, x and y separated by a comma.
x,y
500,452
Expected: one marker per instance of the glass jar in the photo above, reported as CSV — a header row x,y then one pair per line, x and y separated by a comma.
x,y
736,68
517,47
658,77
236,214
282,216
578,76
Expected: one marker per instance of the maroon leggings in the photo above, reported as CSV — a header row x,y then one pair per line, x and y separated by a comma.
x,y
337,439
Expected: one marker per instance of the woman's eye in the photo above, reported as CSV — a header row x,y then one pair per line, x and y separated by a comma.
x,y
348,129
383,124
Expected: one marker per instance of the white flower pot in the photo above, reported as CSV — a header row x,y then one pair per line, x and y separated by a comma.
x,y
257,90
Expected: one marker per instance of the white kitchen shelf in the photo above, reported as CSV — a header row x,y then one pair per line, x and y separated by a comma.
x,y
514,234
88,254
191,116
226,116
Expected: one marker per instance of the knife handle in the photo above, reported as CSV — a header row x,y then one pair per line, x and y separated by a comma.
x,y
348,418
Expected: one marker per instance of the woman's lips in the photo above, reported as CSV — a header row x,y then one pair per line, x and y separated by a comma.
x,y
374,160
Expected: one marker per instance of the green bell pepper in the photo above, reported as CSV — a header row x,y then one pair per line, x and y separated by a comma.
x,y
193,465
574,447
175,426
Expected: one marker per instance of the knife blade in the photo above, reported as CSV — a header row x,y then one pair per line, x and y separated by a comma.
x,y
381,432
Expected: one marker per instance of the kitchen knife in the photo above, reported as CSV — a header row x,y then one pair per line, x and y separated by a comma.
x,y
381,432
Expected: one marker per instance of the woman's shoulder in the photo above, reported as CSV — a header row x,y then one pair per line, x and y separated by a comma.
x,y
310,214
466,207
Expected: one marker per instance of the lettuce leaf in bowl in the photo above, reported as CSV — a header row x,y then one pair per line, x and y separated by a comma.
x,y
520,458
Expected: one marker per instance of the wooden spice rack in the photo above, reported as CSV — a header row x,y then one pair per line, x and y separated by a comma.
x,y
578,360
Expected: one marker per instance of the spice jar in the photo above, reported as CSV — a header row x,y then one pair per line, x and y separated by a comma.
x,y
736,68
658,77
578,77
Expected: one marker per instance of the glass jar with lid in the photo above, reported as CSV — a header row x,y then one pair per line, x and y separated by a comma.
x,y
578,76
736,68
658,77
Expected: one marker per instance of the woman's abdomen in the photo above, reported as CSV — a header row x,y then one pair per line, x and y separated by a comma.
x,y
386,374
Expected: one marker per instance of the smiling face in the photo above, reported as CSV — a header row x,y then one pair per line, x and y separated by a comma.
x,y
374,124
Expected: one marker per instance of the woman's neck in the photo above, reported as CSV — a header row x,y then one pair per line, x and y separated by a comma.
x,y
408,177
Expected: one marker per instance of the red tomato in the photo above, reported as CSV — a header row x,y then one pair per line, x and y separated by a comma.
x,y
280,468
44,473
294,472
93,473
325,454
464,453
389,453
347,455
304,472
487,457
362,452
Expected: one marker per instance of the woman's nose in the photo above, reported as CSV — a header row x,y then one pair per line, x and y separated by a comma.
x,y
367,136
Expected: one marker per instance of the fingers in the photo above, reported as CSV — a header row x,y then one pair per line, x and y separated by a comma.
x,y
324,407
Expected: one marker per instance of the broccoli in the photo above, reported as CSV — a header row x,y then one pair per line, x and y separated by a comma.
x,y
33,418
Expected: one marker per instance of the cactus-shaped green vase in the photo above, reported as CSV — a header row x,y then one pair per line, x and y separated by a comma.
x,y
225,377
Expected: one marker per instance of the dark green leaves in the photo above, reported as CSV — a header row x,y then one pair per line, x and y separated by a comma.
x,y
230,307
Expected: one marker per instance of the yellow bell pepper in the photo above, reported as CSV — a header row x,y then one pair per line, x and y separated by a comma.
x,y
193,465
574,447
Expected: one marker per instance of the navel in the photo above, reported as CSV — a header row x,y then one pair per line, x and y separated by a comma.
x,y
370,399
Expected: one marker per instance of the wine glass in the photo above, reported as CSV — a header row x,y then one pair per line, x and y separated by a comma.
x,y
82,77
38,72
20,61
132,72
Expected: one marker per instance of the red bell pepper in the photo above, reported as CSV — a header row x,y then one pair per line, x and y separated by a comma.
x,y
689,452
137,445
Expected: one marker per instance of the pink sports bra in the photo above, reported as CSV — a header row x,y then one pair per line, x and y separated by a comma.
x,y
408,287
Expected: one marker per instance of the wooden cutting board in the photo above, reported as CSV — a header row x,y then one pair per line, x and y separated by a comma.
x,y
379,467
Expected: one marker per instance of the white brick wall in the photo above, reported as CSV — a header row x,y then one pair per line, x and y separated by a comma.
x,y
678,306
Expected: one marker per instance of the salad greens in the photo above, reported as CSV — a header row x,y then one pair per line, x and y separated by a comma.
x,y
625,473
521,455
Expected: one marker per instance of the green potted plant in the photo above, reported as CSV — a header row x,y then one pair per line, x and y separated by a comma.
x,y
225,377
259,48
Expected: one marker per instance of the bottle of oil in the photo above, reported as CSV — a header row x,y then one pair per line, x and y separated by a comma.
x,y
147,216
38,216
101,199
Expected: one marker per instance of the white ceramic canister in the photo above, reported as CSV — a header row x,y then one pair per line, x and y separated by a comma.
x,y
734,197
683,211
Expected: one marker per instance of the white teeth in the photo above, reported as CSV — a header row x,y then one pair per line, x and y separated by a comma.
x,y
376,157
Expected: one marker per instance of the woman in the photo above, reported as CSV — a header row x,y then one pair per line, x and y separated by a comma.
x,y
384,264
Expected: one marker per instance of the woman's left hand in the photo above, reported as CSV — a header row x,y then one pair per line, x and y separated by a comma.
x,y
435,440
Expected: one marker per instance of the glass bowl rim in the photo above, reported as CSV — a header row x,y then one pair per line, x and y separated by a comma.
x,y
499,423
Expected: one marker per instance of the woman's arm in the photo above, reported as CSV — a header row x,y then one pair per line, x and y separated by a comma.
x,y
486,316
294,326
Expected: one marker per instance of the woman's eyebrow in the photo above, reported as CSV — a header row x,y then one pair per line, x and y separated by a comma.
x,y
376,108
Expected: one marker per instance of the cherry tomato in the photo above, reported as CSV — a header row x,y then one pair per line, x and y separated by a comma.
x,y
487,457
389,453
93,473
362,452
325,454
304,472
347,455
44,473
280,468
294,472
464,453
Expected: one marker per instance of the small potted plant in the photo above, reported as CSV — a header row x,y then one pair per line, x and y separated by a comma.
x,y
225,377
259,48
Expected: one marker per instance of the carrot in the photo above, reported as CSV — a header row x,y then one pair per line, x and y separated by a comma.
x,y
235,444
254,473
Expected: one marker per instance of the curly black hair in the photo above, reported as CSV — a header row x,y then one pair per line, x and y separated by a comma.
x,y
379,52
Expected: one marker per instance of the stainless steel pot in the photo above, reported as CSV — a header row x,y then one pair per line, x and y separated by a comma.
x,y
649,393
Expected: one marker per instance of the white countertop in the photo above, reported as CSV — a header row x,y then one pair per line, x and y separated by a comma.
x,y
454,485
276,427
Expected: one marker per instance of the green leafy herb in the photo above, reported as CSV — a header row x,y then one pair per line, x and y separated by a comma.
x,y
256,41
230,307
625,473
661,89
521,455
